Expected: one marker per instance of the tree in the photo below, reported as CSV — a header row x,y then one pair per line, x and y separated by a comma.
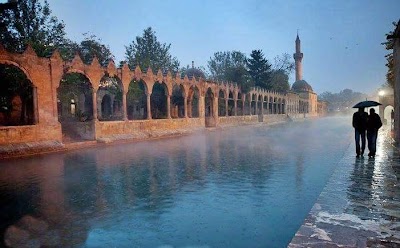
x,y
259,69
389,44
91,46
231,67
31,23
343,100
147,52
279,81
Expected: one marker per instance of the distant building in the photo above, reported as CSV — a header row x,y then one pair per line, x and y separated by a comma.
x,y
302,93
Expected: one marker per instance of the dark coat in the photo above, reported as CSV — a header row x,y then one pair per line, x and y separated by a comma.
x,y
374,122
360,121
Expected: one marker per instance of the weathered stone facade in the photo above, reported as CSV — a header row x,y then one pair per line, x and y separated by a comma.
x,y
45,74
396,57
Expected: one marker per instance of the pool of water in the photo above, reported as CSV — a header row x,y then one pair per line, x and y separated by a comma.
x,y
246,186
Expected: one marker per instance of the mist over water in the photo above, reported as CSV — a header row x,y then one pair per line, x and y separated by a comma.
x,y
249,186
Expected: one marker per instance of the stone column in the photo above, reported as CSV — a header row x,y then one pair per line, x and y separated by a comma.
x,y
124,109
185,107
243,107
201,107
235,107
148,107
215,107
35,106
95,106
168,106
226,107
262,106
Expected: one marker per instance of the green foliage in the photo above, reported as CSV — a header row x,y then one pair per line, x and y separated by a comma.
x,y
91,46
147,52
13,82
230,67
259,69
279,81
31,22
389,44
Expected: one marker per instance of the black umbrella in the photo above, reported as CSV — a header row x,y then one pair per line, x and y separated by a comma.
x,y
366,104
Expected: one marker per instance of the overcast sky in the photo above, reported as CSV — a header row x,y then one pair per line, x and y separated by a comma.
x,y
341,39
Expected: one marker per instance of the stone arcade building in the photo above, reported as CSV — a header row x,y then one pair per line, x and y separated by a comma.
x,y
111,103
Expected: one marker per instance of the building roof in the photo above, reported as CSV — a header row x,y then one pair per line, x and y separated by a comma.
x,y
301,86
193,71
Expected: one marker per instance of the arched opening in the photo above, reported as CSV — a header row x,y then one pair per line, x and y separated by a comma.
x,y
106,110
193,102
159,101
388,115
270,105
109,99
221,103
17,98
231,104
136,100
253,104
247,104
265,105
275,106
279,106
75,107
283,106
239,104
209,109
177,102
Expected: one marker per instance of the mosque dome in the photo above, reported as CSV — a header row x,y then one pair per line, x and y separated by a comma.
x,y
196,72
301,86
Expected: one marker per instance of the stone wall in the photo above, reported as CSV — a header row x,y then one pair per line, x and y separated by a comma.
x,y
146,128
33,133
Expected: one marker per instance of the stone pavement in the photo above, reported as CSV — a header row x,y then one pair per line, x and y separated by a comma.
x,y
360,205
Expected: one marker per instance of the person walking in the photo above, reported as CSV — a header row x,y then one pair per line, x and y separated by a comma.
x,y
373,124
360,125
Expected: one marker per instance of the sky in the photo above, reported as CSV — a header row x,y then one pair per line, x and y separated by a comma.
x,y
341,39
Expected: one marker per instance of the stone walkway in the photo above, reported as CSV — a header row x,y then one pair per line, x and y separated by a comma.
x,y
360,205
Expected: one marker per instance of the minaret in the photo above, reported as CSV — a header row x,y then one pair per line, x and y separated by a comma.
x,y
298,56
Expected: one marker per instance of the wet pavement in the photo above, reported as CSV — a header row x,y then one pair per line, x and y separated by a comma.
x,y
360,205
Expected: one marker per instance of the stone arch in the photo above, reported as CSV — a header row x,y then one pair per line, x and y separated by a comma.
x,y
221,103
253,104
158,100
388,117
265,104
18,96
259,104
75,107
136,100
113,88
178,101
193,102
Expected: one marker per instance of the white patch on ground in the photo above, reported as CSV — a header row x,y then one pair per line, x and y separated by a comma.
x,y
354,221
320,234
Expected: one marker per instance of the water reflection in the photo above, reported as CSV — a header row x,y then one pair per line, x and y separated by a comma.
x,y
255,184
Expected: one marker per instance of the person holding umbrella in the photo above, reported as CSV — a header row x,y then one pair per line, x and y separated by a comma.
x,y
360,125
373,124
360,119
